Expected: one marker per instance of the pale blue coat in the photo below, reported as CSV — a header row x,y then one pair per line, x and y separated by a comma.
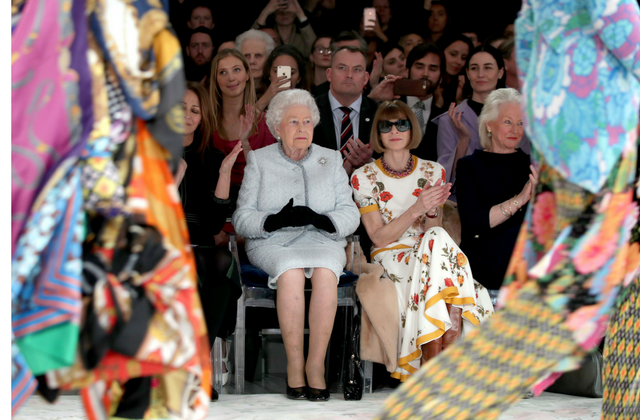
x,y
319,182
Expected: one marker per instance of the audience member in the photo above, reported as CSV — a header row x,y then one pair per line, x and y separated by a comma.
x,y
255,46
425,62
458,134
326,16
227,45
204,182
495,40
199,51
301,36
319,62
346,113
273,34
409,41
438,21
509,31
234,116
201,15
296,230
393,61
491,213
400,198
350,37
456,48
284,55
473,36
510,66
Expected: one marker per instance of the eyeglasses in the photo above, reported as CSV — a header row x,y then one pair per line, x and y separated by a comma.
x,y
402,125
322,50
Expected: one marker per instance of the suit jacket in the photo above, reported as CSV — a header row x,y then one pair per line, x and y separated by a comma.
x,y
580,83
325,133
428,149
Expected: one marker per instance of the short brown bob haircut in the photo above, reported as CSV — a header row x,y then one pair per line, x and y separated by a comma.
x,y
395,110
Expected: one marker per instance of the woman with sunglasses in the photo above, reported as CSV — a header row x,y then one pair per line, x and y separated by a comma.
x,y
400,198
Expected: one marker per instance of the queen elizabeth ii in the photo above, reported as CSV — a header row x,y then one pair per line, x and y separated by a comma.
x,y
295,209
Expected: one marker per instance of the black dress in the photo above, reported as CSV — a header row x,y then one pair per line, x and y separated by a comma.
x,y
485,179
206,215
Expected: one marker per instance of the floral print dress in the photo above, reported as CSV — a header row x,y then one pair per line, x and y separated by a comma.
x,y
427,267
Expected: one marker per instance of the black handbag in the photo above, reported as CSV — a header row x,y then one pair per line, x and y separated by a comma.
x,y
584,382
353,378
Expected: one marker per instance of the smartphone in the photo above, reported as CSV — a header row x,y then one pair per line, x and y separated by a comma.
x,y
284,71
369,18
408,87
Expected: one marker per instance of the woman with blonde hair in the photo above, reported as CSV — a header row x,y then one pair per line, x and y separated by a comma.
x,y
235,120
400,198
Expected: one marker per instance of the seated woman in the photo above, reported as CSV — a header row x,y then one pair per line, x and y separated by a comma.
x,y
458,128
389,59
234,119
295,209
284,55
491,214
204,179
400,199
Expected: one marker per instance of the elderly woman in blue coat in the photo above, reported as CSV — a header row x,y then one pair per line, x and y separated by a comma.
x,y
295,209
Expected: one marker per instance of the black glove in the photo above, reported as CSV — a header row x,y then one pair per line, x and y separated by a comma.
x,y
303,215
280,219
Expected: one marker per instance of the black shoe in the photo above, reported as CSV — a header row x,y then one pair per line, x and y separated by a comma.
x,y
214,395
316,394
299,393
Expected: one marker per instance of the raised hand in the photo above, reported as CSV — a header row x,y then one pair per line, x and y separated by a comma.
x,y
246,122
376,70
432,196
229,160
455,115
384,90
529,187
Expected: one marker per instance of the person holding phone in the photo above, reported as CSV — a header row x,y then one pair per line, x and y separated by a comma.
x,y
425,63
400,198
293,74
285,12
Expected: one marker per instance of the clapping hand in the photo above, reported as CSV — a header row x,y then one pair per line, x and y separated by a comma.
x,y
529,187
376,70
432,196
358,153
246,123
229,160
455,115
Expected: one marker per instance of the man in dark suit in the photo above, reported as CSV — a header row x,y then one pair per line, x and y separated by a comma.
x,y
426,62
346,115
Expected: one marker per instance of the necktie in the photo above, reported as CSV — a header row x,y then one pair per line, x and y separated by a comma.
x,y
346,131
418,109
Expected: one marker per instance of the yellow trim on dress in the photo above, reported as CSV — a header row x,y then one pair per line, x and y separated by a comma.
x,y
399,246
448,295
369,209
378,163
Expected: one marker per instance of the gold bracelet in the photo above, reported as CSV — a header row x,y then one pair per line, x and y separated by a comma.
x,y
504,212
515,203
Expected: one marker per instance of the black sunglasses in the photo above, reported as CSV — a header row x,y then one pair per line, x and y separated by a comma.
x,y
402,125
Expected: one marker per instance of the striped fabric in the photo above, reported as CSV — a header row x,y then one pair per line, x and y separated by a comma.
x,y
346,131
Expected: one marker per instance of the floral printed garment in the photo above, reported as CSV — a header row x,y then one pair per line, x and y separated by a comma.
x,y
427,267
579,64
576,247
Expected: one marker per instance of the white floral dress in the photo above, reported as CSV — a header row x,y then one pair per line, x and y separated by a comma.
x,y
427,267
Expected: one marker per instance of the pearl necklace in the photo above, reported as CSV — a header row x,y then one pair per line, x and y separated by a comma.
x,y
398,174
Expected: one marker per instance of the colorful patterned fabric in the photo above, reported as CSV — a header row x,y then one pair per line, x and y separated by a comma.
x,y
50,101
579,65
621,375
176,345
147,59
427,268
572,257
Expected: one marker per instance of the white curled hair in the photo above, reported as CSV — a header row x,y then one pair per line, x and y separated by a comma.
x,y
491,111
285,100
255,34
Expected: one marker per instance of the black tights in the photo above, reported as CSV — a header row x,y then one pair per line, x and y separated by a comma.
x,y
219,293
